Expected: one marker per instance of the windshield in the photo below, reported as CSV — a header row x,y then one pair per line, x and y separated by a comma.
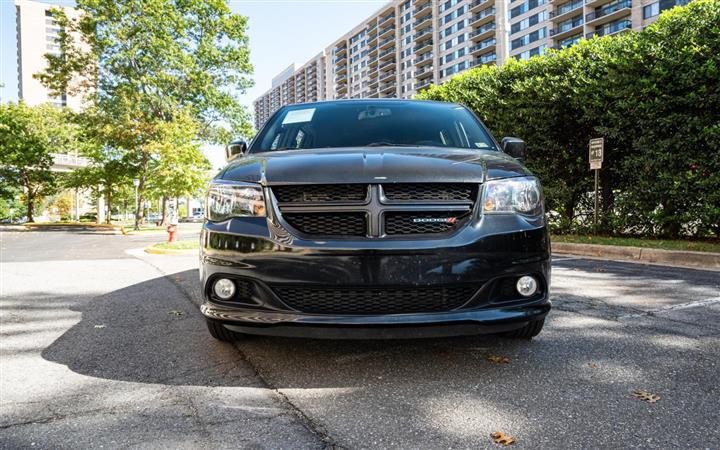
x,y
372,124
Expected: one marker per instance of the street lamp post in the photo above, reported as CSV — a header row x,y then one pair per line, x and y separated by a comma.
x,y
136,183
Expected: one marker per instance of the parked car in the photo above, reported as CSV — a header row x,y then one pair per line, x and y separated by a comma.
x,y
375,219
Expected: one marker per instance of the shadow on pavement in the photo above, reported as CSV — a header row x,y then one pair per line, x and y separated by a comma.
x,y
147,333
570,387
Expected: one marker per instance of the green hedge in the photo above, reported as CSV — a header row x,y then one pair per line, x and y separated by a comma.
x,y
655,98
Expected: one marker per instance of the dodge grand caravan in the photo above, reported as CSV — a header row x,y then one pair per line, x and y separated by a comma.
x,y
375,219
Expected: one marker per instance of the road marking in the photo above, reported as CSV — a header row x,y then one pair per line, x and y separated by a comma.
x,y
695,304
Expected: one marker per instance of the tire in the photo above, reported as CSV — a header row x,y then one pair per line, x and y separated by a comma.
x,y
219,332
529,331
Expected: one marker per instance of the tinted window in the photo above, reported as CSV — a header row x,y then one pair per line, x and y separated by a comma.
x,y
368,123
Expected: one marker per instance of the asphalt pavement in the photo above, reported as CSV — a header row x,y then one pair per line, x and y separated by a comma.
x,y
103,346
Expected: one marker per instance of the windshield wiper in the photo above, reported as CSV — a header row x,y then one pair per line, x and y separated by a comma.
x,y
390,144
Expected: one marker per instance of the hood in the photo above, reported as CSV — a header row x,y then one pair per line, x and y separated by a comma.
x,y
373,165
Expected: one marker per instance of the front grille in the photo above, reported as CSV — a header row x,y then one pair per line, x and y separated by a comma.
x,y
423,222
358,300
455,192
329,224
321,193
376,211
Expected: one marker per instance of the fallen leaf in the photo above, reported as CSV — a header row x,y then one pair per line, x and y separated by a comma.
x,y
501,438
99,326
177,312
498,359
646,396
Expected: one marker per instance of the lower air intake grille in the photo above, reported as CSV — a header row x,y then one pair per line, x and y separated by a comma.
x,y
375,300
423,222
321,193
329,224
429,192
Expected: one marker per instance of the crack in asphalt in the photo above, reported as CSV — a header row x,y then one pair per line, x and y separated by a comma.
x,y
316,429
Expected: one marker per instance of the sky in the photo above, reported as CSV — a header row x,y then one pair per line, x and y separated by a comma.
x,y
281,32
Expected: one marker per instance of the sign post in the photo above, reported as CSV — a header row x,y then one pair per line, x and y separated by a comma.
x,y
596,159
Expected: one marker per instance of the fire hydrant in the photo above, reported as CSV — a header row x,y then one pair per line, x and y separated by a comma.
x,y
173,225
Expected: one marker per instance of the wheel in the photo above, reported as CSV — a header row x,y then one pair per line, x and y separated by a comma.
x,y
529,331
219,332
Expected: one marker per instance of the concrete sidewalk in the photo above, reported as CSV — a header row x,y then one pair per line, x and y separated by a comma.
x,y
679,258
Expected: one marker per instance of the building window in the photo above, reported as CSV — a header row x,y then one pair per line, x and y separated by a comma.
x,y
525,7
528,38
527,22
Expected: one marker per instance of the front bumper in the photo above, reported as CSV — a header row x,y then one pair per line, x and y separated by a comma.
x,y
250,251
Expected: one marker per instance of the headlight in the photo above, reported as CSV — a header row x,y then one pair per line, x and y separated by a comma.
x,y
226,200
513,195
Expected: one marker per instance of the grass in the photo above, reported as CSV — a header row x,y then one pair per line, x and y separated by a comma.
x,y
179,245
663,244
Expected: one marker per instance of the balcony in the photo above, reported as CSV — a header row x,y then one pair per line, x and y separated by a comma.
x,y
423,84
386,20
477,5
424,59
385,43
421,8
385,31
423,47
484,32
424,72
372,62
608,13
483,60
385,64
387,76
423,34
566,11
567,28
484,46
63,162
611,29
386,53
387,87
340,70
483,17
339,51
423,21
567,42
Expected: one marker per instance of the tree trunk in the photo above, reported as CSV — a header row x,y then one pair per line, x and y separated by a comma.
x,y
141,192
30,207
163,219
108,203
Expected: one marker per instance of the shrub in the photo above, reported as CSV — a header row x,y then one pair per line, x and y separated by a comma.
x,y
655,98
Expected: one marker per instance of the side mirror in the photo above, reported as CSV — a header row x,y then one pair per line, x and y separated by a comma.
x,y
235,149
514,147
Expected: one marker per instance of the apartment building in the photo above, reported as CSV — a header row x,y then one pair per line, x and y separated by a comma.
x,y
407,45
37,34
293,85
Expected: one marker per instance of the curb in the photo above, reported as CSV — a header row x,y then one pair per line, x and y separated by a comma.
x,y
696,260
96,226
169,251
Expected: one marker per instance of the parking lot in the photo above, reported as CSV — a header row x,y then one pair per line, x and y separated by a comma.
x,y
103,345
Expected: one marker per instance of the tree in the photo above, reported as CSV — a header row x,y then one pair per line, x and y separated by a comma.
x,y
178,167
149,61
28,138
653,96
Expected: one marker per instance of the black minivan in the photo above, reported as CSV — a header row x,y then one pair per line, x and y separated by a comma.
x,y
375,219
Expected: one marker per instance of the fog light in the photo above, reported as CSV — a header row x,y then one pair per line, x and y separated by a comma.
x,y
526,286
224,288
